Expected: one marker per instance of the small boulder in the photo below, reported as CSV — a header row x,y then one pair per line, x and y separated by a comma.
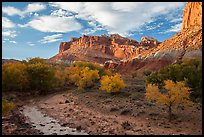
x,y
78,128
66,101
125,112
126,125
114,109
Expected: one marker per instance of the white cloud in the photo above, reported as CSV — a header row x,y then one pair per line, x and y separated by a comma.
x,y
6,23
50,39
11,11
175,28
36,14
13,42
177,20
61,13
23,25
30,44
9,33
155,26
88,31
119,17
72,6
54,24
33,7
95,27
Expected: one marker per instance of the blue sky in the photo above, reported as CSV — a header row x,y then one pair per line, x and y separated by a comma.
x,y
36,29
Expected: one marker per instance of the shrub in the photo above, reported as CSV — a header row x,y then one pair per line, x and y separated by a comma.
x,y
6,107
34,60
92,66
155,78
177,93
134,74
147,72
14,76
112,83
41,76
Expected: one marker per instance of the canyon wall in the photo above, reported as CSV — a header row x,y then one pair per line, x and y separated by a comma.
x,y
192,15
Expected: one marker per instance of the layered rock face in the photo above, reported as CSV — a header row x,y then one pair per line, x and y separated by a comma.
x,y
183,45
115,45
102,48
192,15
64,46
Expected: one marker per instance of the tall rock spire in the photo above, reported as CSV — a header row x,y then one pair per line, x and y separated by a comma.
x,y
192,15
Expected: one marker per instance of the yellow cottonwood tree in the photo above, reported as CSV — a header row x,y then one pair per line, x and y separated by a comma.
x,y
60,77
83,77
14,76
177,93
88,77
112,83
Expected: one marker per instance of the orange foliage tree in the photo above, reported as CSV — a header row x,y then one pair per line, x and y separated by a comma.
x,y
177,93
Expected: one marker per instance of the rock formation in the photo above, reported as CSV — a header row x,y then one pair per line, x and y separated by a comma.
x,y
192,15
102,48
149,41
64,46
183,45
126,55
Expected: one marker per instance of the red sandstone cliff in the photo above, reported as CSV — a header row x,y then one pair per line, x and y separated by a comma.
x,y
103,48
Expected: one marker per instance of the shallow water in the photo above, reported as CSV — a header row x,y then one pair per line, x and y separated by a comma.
x,y
46,124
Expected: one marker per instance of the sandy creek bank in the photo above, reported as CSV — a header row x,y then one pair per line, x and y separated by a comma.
x,y
46,124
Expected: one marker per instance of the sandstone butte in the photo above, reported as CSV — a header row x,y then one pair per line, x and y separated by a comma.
x,y
125,55
102,48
